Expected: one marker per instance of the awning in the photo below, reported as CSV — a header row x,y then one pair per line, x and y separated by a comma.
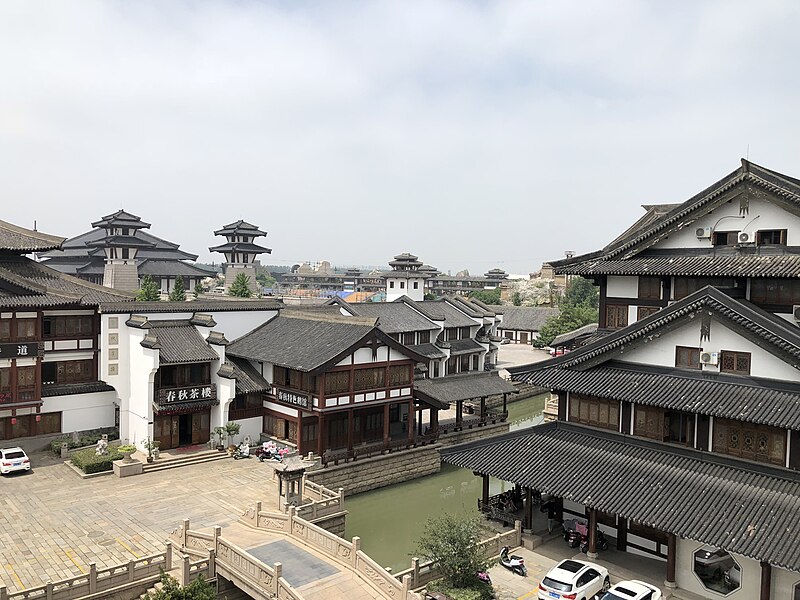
x,y
752,510
442,391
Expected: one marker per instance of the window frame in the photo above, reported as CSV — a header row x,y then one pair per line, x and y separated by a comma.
x,y
736,356
688,364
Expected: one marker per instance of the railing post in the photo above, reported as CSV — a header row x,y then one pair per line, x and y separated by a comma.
x,y
313,509
406,587
258,510
217,535
186,533
3,592
518,529
185,568
212,564
415,566
168,557
278,568
92,577
131,570
341,496
49,590
356,550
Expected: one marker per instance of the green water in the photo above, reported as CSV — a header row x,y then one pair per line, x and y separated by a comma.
x,y
390,520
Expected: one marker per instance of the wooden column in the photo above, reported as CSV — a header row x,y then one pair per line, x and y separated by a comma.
x,y
559,509
485,489
766,581
592,514
350,430
300,448
483,408
459,415
385,424
672,548
321,434
505,401
410,420
528,509
622,534
434,420
419,421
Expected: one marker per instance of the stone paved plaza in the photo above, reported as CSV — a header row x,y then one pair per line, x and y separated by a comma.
x,y
53,523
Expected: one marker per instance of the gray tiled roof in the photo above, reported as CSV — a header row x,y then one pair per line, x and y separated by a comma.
x,y
429,351
752,510
68,389
452,316
20,239
565,338
179,342
742,265
394,317
248,379
464,386
465,346
26,279
191,306
731,397
526,318
302,342
172,268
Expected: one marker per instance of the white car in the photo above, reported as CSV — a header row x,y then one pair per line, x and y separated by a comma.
x,y
13,459
574,580
632,590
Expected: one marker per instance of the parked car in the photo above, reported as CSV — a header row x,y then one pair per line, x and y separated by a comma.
x,y
711,563
13,459
505,341
632,590
574,580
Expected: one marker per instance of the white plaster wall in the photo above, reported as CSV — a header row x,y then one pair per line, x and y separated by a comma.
x,y
784,582
762,215
251,427
687,580
622,287
660,350
80,412
362,356
226,391
136,410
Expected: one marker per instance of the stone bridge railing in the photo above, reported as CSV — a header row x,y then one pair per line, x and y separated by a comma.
x,y
99,583
422,573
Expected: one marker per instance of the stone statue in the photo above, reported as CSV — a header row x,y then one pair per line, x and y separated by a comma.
x,y
102,446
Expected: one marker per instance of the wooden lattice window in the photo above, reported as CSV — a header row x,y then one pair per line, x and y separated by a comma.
x,y
597,412
747,440
616,316
369,379
737,363
399,375
687,358
646,311
771,236
337,382
650,288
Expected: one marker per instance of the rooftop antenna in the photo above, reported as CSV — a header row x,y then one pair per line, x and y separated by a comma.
x,y
34,225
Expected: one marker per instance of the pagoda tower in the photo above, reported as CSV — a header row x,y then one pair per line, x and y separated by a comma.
x,y
240,251
406,278
120,245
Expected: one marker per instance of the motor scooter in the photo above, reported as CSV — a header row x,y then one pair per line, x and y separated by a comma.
x,y
574,530
514,563
601,543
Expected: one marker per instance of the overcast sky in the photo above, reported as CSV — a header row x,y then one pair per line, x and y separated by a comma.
x,y
473,134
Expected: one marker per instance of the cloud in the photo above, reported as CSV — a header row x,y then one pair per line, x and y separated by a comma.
x,y
472,134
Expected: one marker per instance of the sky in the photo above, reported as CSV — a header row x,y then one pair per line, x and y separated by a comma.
x,y
473,134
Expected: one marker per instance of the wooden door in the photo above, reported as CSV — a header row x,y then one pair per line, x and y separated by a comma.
x,y
201,427
165,431
523,337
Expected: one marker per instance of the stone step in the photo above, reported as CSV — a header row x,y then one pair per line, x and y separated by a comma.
x,y
191,459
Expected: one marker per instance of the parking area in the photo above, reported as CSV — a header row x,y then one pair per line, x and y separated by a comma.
x,y
512,355
53,524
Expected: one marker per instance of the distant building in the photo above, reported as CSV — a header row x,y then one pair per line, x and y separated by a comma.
x,y
521,324
117,253
405,278
240,251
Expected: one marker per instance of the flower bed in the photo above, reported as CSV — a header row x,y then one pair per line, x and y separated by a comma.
x,y
88,462
88,439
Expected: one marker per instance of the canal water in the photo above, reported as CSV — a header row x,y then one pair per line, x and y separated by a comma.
x,y
390,520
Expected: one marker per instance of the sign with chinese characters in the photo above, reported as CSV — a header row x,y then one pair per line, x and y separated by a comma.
x,y
292,398
22,350
187,394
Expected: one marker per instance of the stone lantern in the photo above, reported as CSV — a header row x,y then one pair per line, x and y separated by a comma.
x,y
291,471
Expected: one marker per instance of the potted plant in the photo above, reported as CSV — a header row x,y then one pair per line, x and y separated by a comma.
x,y
220,433
127,450
150,445
232,430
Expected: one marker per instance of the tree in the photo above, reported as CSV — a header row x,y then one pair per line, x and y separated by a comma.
x,y
487,296
265,280
199,589
240,286
149,291
578,307
516,299
179,293
452,542
198,289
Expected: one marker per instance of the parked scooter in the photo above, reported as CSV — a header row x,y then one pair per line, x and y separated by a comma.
x,y
601,543
574,530
242,451
514,563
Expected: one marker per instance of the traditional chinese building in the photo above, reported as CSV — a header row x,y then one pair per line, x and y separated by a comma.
x,y
335,383
49,345
240,251
678,431
118,252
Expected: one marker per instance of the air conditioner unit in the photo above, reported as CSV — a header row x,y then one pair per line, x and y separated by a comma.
x,y
704,232
709,358
744,237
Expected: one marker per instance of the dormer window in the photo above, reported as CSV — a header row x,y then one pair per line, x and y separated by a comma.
x,y
774,237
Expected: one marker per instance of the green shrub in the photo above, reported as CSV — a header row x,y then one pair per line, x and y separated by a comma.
x,y
478,591
127,448
88,462
87,439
